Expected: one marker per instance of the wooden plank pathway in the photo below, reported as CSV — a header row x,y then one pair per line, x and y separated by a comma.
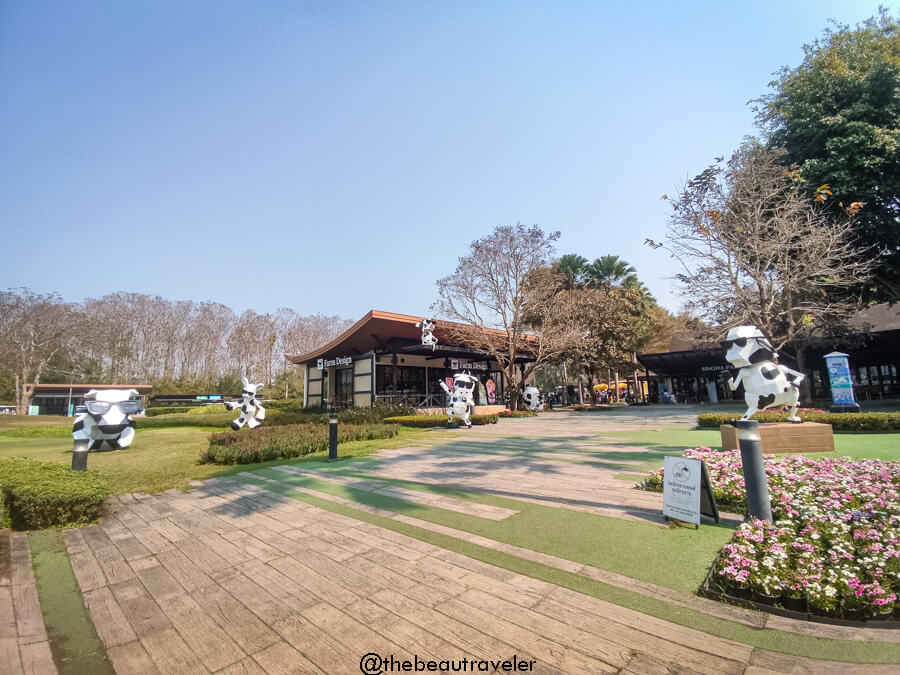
x,y
232,578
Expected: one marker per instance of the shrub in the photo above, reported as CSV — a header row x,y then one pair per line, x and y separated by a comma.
x,y
37,495
282,442
222,420
431,421
517,413
210,409
871,421
168,410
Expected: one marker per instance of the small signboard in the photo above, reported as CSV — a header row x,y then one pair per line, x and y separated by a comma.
x,y
687,492
467,365
321,364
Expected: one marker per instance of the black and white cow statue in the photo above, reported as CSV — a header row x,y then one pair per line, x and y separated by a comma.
x,y
766,383
428,338
107,423
252,411
532,397
462,398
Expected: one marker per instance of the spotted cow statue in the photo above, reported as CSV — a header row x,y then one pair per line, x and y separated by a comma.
x,y
462,398
766,383
106,424
532,398
252,411
428,338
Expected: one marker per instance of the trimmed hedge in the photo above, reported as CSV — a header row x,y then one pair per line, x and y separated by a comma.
x,y
222,420
35,495
433,421
281,442
871,421
210,409
168,410
517,413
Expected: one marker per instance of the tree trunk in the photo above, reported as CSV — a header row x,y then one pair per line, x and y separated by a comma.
x,y
806,384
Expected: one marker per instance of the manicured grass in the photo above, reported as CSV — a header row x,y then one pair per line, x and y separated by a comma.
x,y
73,640
160,459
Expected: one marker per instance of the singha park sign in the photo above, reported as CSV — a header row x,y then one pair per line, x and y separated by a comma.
x,y
687,492
322,364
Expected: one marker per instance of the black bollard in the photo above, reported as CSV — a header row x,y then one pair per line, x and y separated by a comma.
x,y
755,482
332,437
79,456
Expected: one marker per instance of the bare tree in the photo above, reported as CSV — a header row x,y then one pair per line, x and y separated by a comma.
x,y
504,302
755,250
33,329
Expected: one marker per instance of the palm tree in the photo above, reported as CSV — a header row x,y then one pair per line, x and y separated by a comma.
x,y
610,271
573,268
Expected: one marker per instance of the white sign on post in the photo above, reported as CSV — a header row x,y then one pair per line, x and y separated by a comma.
x,y
681,489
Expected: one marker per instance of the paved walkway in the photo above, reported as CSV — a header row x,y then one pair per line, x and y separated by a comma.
x,y
232,578
23,636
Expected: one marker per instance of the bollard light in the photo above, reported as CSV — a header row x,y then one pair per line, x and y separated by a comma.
x,y
332,437
80,456
754,466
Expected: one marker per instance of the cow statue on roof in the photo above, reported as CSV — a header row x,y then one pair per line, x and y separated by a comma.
x,y
766,383
252,411
428,338
462,398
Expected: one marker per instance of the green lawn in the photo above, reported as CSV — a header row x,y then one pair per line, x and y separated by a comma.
x,y
158,459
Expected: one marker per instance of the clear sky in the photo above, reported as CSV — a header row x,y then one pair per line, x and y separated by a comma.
x,y
336,157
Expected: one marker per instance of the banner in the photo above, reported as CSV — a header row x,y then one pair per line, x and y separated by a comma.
x,y
840,380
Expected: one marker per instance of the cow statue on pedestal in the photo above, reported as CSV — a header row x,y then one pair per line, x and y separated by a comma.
x,y
766,383
107,424
462,398
252,411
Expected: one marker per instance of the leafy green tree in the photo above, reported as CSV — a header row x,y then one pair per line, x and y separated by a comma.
x,y
838,117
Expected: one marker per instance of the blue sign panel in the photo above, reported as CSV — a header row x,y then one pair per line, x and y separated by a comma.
x,y
839,376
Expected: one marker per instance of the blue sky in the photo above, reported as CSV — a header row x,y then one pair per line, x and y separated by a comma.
x,y
336,157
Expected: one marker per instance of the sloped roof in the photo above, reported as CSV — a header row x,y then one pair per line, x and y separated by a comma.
x,y
377,329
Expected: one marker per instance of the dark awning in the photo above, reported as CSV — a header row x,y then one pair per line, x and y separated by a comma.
x,y
708,362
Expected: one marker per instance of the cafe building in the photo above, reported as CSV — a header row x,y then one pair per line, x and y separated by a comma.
x,y
382,358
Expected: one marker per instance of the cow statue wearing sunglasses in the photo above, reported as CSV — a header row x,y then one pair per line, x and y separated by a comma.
x,y
107,424
766,383
252,411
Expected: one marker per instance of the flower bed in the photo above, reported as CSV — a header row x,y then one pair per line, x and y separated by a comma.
x,y
835,543
517,413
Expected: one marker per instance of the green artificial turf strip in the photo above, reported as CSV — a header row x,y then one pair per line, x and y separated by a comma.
x,y
73,640
675,558
773,640
631,477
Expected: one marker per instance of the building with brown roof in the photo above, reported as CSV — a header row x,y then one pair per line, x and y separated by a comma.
x,y
382,358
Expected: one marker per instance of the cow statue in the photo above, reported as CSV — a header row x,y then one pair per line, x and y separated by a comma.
x,y
532,398
766,383
462,398
428,338
105,424
252,411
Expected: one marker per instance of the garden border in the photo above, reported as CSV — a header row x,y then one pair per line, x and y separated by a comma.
x,y
706,591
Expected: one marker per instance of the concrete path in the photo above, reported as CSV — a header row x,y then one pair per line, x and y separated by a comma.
x,y
232,578
24,648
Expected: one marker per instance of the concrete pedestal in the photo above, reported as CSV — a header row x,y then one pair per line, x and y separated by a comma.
x,y
785,437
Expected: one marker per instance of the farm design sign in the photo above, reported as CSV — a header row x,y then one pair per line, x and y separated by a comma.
x,y
321,364
468,365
